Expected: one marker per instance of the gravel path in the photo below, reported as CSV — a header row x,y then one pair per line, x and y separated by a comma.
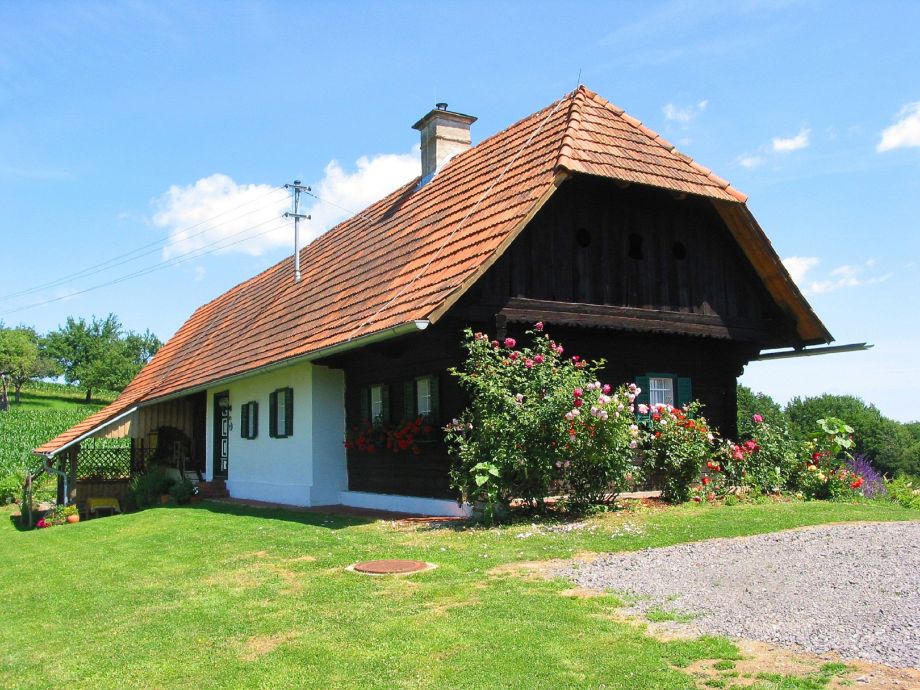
x,y
851,589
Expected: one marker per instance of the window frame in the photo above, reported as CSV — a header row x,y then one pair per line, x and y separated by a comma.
x,y
249,420
278,397
671,389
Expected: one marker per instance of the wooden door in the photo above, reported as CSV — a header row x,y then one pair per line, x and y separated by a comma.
x,y
221,435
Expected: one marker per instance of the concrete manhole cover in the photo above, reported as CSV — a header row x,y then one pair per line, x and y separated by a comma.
x,y
390,567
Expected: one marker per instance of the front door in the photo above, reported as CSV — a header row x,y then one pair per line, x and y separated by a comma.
x,y
221,434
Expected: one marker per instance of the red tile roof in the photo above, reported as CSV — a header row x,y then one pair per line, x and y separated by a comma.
x,y
413,253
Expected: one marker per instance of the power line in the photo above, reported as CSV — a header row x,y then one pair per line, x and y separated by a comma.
x,y
123,258
182,258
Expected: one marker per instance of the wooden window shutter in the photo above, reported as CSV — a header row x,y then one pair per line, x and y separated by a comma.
x,y
289,411
684,391
435,389
409,401
254,413
244,421
365,414
385,403
273,415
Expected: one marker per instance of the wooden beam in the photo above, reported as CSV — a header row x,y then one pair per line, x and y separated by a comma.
x,y
524,310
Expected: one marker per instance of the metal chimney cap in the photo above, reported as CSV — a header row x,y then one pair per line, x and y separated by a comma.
x,y
441,106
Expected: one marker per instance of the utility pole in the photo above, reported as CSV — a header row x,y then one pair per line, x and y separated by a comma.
x,y
296,215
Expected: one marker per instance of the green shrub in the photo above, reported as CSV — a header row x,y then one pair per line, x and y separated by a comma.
x,y
766,459
904,489
11,488
146,488
677,444
824,474
182,491
538,423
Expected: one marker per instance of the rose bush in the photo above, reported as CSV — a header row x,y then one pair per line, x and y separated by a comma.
x,y
824,474
538,423
764,461
677,444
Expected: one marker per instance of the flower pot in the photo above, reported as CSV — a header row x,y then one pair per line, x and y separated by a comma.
x,y
73,518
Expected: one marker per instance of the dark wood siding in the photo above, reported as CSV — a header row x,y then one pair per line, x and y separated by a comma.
x,y
634,276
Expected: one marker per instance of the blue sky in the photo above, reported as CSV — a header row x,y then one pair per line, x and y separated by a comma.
x,y
168,127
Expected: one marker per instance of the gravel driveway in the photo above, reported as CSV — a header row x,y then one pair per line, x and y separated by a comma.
x,y
851,589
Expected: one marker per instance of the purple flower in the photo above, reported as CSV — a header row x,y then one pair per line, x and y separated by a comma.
x,y
873,483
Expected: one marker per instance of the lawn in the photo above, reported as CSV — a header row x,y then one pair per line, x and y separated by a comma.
x,y
221,596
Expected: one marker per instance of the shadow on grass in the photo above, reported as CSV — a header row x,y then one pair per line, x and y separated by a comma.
x,y
302,516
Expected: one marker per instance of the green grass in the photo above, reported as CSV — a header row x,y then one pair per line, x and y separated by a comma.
x,y
218,596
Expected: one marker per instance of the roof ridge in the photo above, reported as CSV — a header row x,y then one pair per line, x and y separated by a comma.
x,y
656,138
573,120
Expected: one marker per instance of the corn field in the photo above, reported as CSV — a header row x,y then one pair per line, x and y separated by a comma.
x,y
21,430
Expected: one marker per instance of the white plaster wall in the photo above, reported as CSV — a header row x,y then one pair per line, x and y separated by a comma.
x,y
279,470
330,469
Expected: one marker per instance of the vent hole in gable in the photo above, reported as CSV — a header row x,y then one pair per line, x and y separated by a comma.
x,y
635,247
583,237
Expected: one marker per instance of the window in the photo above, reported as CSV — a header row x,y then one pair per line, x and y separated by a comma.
x,y
661,390
281,413
664,389
249,420
423,396
375,404
420,398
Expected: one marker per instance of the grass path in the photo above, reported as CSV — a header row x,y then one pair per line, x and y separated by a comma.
x,y
221,596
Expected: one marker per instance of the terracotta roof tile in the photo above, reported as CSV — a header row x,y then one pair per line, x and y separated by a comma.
x,y
405,256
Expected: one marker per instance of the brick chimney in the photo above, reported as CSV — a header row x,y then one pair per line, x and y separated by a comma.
x,y
444,135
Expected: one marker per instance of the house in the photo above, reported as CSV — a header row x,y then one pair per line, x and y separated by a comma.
x,y
578,216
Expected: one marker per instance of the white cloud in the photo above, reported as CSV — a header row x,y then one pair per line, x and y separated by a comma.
x,y
903,133
845,276
799,141
684,115
750,161
801,268
218,213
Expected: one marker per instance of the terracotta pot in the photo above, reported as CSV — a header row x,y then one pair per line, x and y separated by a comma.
x,y
73,518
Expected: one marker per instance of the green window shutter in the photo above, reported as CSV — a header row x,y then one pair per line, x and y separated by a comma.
x,y
684,391
244,420
273,415
435,415
385,403
289,411
365,413
254,427
409,401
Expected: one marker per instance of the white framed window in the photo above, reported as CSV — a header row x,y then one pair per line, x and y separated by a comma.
x,y
423,400
661,390
281,413
249,422
376,402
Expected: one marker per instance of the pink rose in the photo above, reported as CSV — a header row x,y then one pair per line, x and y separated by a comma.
x,y
538,359
758,419
513,355
577,393
606,389
579,402
538,326
510,342
528,363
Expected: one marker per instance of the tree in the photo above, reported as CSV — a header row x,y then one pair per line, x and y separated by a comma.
x,y
751,403
22,358
100,354
887,443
